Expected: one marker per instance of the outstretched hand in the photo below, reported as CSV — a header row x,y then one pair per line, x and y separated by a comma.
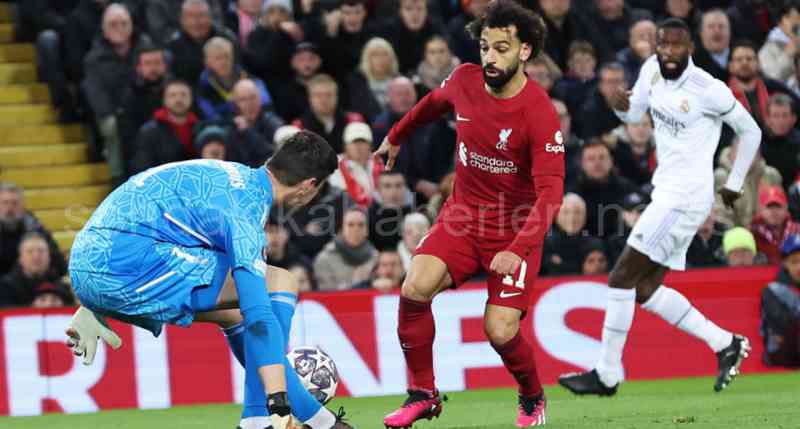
x,y
390,150
620,99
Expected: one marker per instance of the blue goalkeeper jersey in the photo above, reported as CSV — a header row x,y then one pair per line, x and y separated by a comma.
x,y
168,231
212,204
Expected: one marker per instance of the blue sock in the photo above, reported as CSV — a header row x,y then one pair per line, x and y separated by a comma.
x,y
255,399
304,405
283,305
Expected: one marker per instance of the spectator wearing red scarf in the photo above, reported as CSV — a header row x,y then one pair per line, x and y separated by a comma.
x,y
772,223
358,171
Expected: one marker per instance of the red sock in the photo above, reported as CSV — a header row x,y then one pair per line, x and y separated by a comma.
x,y
517,356
416,331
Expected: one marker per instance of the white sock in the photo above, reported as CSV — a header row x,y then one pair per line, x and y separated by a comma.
x,y
260,422
324,419
619,317
673,307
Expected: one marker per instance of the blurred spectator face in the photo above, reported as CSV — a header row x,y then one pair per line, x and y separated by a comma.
x,y
679,8
740,258
413,233
539,73
178,99
610,9
642,38
401,95
306,64
437,54
774,215
596,162
196,20
477,7
247,100
11,208
117,25
302,277
277,238
380,62
151,66
715,32
790,21
34,256
354,228
47,300
358,151
780,119
390,266
582,65
353,17
413,13
639,135
555,9
213,150
572,216
220,62
392,189
744,64
610,80
792,265
630,217
323,99
277,15
595,263
250,7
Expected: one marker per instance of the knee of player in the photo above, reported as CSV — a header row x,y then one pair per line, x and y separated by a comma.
x,y
500,331
415,290
281,280
645,290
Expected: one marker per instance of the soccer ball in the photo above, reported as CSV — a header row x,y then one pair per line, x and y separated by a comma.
x,y
316,370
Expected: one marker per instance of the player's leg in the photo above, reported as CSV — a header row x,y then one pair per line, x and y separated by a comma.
x,y
446,256
673,307
632,269
509,299
282,287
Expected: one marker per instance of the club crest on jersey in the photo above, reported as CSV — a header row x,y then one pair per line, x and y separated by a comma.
x,y
685,106
505,133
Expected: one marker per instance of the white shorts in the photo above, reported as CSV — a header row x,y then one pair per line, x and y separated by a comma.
x,y
665,231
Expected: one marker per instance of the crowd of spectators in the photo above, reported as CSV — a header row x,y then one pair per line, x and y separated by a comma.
x,y
167,80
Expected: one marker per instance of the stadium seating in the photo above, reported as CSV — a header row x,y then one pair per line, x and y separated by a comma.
x,y
48,160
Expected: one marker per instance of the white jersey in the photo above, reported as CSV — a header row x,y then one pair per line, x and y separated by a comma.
x,y
687,118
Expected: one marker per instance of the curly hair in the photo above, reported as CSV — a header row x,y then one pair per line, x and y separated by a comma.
x,y
530,26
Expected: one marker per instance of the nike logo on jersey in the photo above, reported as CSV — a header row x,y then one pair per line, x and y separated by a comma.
x,y
460,118
504,294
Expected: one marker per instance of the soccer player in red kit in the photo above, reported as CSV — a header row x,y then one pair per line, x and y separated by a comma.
x,y
508,187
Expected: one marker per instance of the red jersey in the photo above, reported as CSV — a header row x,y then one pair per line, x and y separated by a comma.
x,y
508,153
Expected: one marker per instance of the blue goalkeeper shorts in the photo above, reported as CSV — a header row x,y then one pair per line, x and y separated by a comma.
x,y
143,281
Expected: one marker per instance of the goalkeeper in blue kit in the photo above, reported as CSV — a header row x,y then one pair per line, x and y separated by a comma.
x,y
160,247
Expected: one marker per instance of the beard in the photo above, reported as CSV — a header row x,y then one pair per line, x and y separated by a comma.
x,y
672,74
503,76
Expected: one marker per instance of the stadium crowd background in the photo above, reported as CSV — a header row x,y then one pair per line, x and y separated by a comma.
x,y
159,81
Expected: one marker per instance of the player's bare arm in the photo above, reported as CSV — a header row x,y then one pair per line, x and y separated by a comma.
x,y
620,100
390,150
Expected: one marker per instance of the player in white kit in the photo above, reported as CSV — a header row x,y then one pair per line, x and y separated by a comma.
x,y
688,107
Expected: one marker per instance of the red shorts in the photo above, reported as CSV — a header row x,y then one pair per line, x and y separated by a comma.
x,y
465,253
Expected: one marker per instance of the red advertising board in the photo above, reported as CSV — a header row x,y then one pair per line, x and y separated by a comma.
x,y
358,330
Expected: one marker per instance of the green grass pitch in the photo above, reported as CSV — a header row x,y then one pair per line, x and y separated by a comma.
x,y
753,401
